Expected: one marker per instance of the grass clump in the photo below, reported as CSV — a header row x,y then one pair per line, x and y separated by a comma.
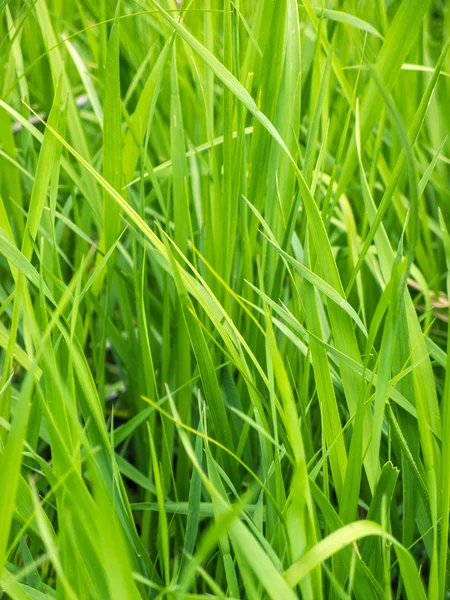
x,y
224,258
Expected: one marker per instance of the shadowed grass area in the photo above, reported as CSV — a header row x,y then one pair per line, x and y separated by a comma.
x,y
224,279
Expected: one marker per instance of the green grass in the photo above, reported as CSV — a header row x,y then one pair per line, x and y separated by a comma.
x,y
224,299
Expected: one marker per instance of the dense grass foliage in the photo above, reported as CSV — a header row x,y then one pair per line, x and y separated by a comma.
x,y
224,277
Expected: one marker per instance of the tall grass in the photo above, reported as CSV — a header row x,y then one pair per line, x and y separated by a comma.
x,y
224,259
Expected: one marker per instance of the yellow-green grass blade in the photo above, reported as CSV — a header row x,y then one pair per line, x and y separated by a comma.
x,y
348,535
